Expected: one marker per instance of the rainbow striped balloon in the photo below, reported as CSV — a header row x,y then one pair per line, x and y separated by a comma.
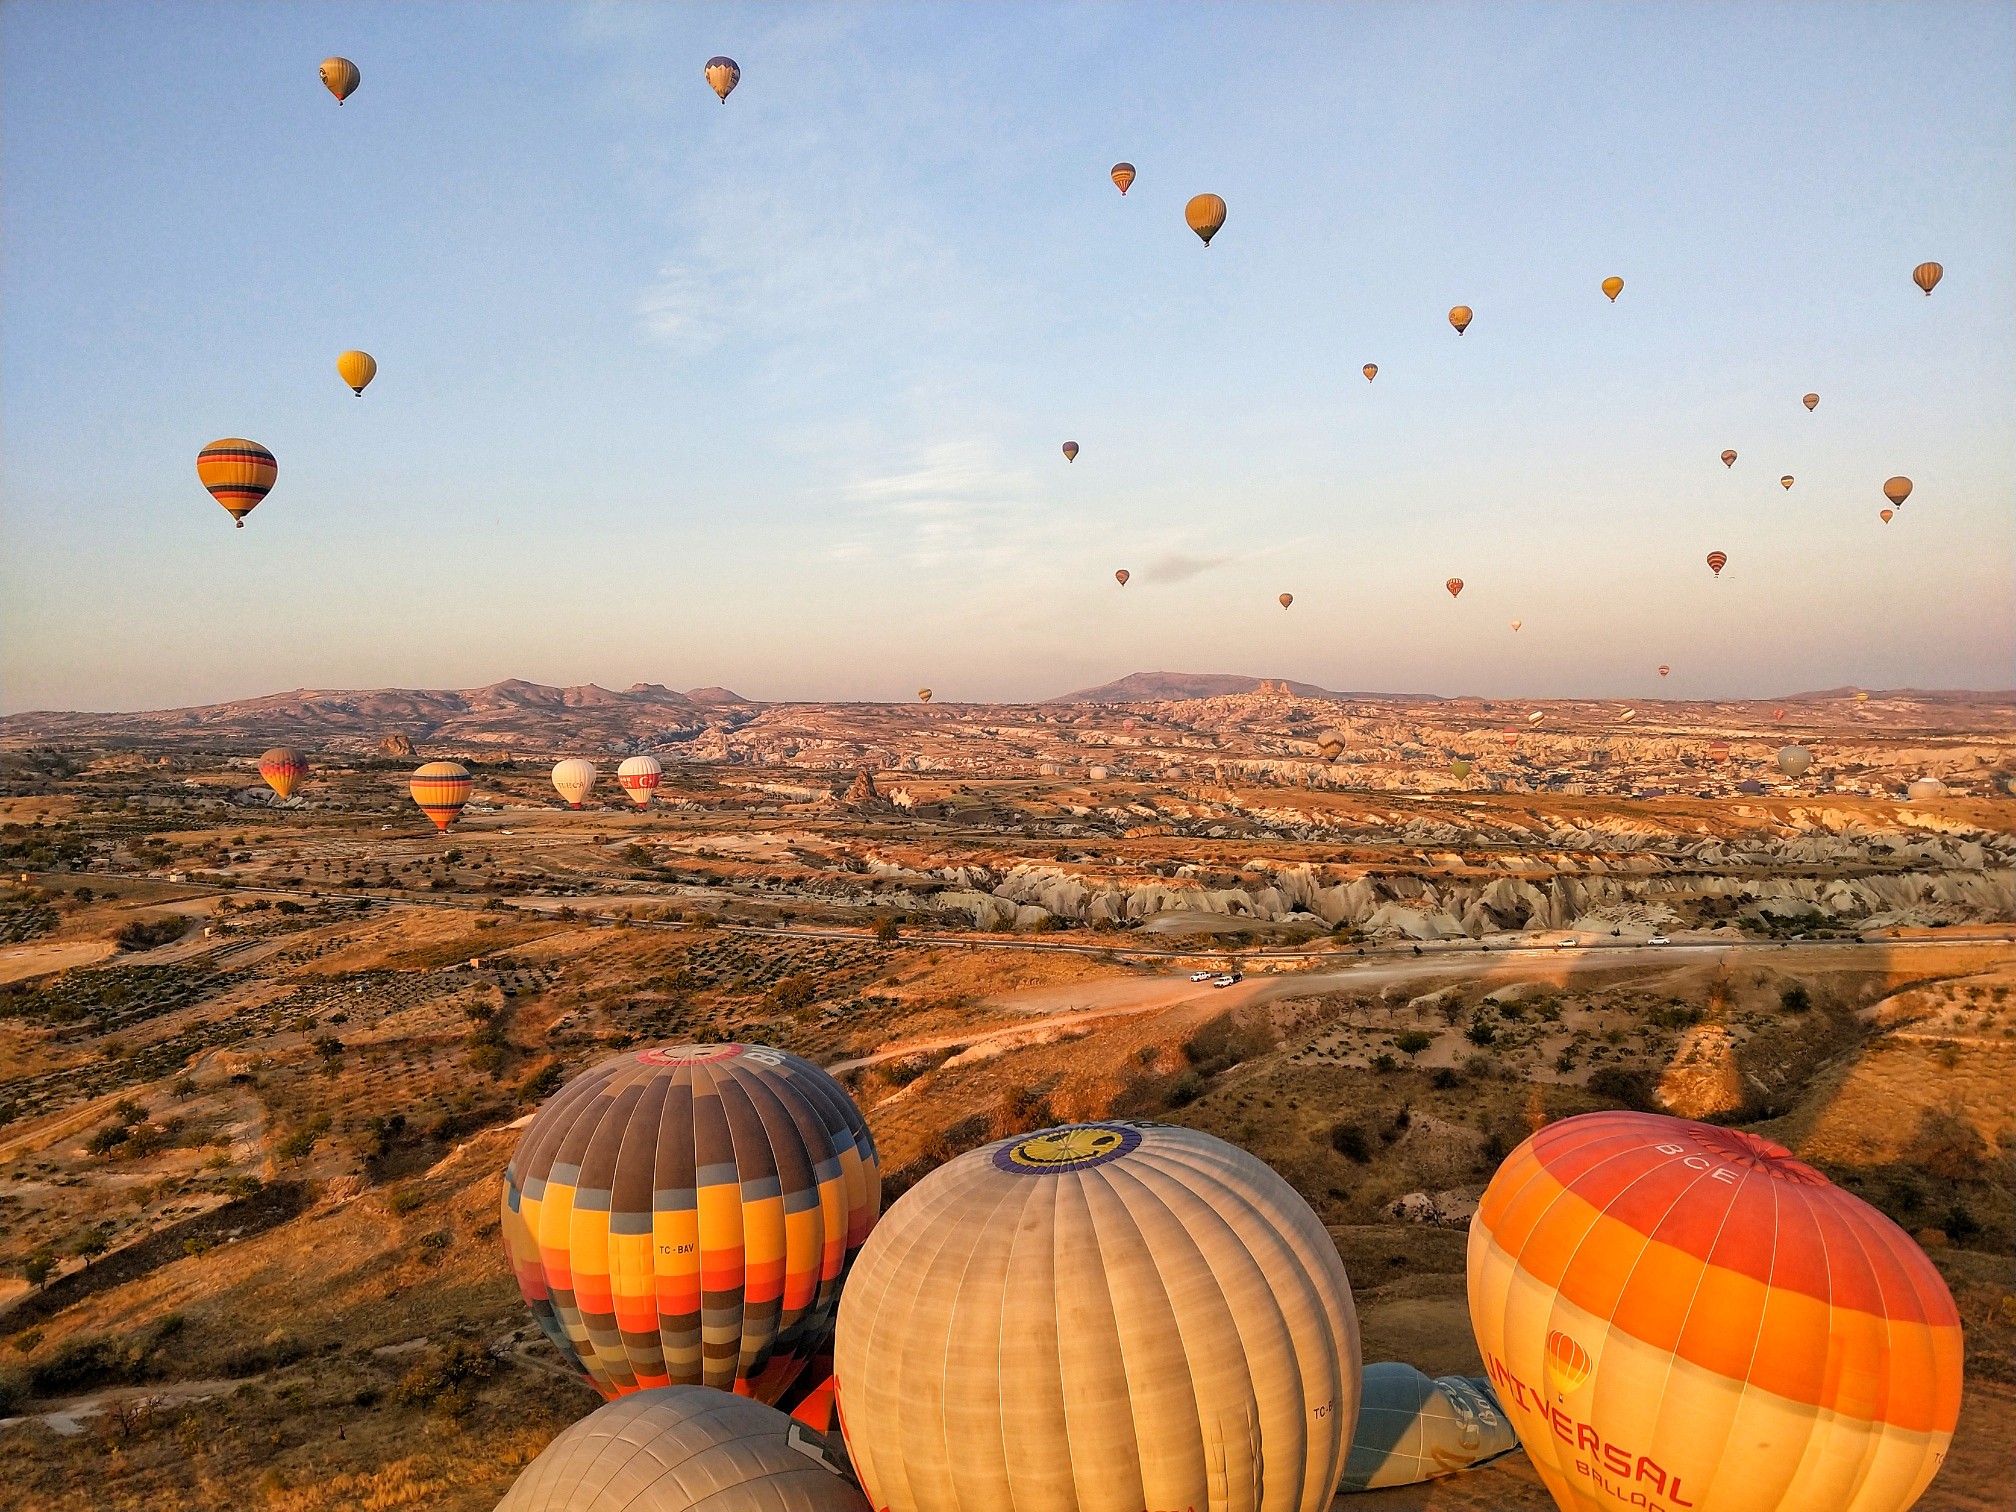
x,y
1685,1317
440,788
685,1216
238,473
283,770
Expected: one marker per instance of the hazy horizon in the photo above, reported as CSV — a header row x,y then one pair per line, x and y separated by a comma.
x,y
769,395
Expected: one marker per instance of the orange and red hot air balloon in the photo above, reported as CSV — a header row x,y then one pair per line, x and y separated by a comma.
x,y
1686,1317
283,770
1460,317
1371,371
1123,176
1121,577
1717,560
1728,459
1455,586
1287,599
1927,275
1897,490
1887,515
441,788
238,473
1664,670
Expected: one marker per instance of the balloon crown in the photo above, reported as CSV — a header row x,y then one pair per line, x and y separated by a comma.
x,y
1074,1147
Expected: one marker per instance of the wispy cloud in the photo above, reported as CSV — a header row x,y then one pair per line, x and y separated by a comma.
x,y
1180,567
953,501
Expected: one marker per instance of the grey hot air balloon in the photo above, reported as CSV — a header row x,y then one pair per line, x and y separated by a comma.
x,y
1411,1428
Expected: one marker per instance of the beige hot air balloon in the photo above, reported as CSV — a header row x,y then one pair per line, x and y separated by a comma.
x,y
1103,1316
1460,318
1728,459
1536,716
1926,276
1627,716
1123,176
1925,789
1613,287
723,74
1330,744
1287,599
1811,401
1121,577
1205,215
1793,760
574,779
1371,371
340,78
1897,490
356,369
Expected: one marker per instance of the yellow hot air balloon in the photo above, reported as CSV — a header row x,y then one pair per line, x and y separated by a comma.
x,y
1460,318
1371,371
238,473
574,779
340,78
923,695
441,788
1728,459
1123,176
1887,515
1121,577
283,770
1070,451
1811,401
1786,481
1102,1316
722,76
1680,1316
1459,769
1205,215
1287,599
639,777
1613,287
357,369
1897,490
1861,698
1927,276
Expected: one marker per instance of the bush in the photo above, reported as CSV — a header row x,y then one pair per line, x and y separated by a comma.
x,y
1185,1089
1622,1084
1795,998
1480,1033
146,934
405,1200
1413,1042
886,931
1350,1141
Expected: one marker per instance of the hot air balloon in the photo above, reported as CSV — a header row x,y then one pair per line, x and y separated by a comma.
x,y
1070,451
1287,599
1811,401
1778,714
440,788
1455,586
1664,669
1681,1316
1536,716
639,777
1627,716
685,1215
1861,698
1412,1429
1728,459
923,695
1927,276
1106,1315
1121,577
340,78
1718,750
283,770
1886,515
1896,490
722,76
1717,560
1460,318
1515,626
1793,760
1371,371
574,779
1613,287
1459,769
1123,176
1205,215
679,1449
1786,481
1330,744
238,473
356,369
1925,789
1510,737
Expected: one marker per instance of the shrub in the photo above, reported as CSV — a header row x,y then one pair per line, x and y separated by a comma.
x,y
887,931
288,906
1185,1089
1413,1042
1795,998
405,1200
145,934
1350,1141
1622,1084
1480,1033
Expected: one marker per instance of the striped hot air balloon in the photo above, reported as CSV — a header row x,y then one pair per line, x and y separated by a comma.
x,y
440,788
238,473
1123,176
640,776
685,1215
1681,1316
283,770
1717,560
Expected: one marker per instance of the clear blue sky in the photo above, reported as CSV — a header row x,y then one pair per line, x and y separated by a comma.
x,y
771,394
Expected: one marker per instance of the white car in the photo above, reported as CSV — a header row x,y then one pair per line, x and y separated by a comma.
x,y
1660,940
1225,980
1202,976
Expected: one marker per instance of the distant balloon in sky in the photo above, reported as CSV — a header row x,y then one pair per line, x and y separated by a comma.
x,y
1613,286
1811,401
722,76
283,770
574,779
1459,769
1123,176
238,473
1896,490
923,695
1887,515
1675,1315
1460,318
1121,577
1287,599
1728,459
356,369
440,788
1786,481
1717,560
639,776
340,78
1927,276
1778,714
1455,586
1070,451
1371,371
1861,698
1793,760
1515,626
1664,669
1205,215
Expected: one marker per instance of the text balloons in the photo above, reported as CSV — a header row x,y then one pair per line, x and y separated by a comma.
x,y
723,74
574,779
340,78
1455,586
356,369
1683,1316
1371,371
639,776
1728,459
1105,1315
1613,287
1897,490
685,1216
441,788
1460,318
1811,401
1123,176
1070,451
1927,275
1205,214
283,770
1793,760
1717,560
1121,577
238,473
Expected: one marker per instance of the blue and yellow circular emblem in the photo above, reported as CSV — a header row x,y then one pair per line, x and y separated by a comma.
x,y
1075,1147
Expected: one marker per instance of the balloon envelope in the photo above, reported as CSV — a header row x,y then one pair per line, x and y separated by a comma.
x,y
238,473
1070,451
1717,560
1205,214
1887,515
1121,577
440,788
1287,599
356,369
1123,176
1627,716
1897,490
722,76
923,695
1330,743
1106,1315
1613,287
1728,459
685,1215
1927,275
1689,1315
574,779
1371,371
1926,788
1460,318
1516,624
1536,716
1786,481
679,1449
1411,1428
283,770
340,78
640,776
1459,769
1455,586
1811,401
1793,760
1664,669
